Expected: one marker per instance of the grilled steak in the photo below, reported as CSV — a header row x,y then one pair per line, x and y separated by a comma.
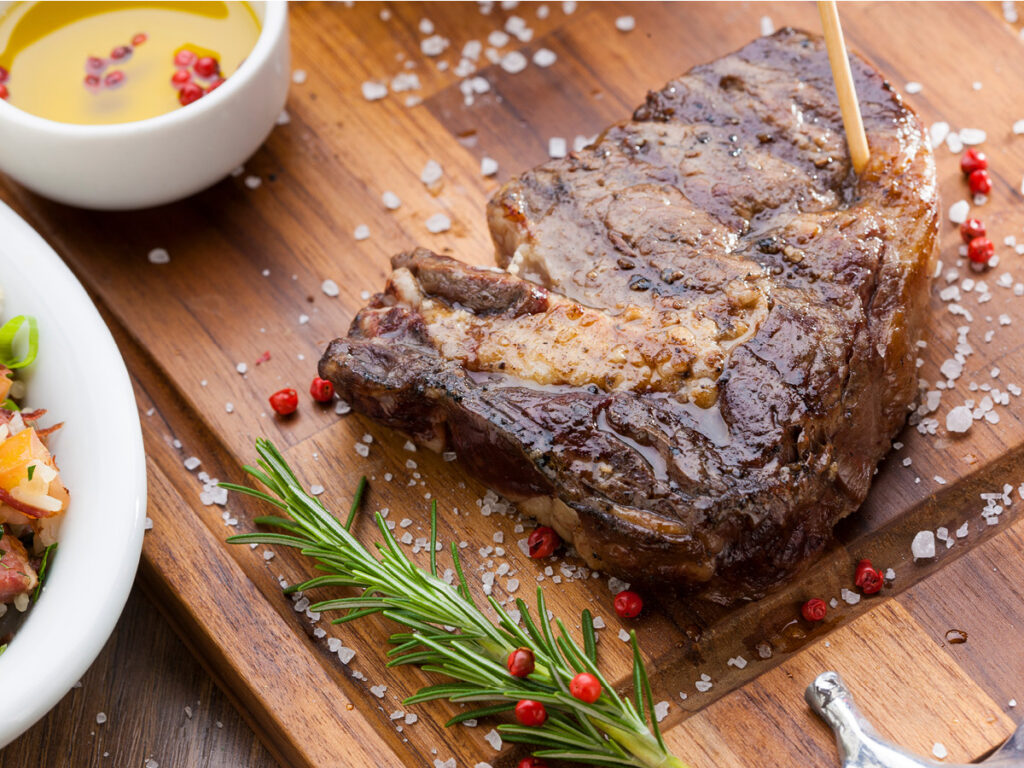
x,y
705,335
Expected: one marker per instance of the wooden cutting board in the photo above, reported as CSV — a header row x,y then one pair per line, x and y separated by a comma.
x,y
246,270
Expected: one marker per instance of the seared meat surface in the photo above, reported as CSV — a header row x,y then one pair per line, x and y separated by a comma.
x,y
705,336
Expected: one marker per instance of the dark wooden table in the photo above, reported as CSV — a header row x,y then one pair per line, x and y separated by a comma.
x,y
322,174
159,705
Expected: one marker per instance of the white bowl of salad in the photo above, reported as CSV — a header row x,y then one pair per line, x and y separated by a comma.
x,y
73,498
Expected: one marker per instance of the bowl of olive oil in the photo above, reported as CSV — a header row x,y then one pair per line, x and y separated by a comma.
x,y
123,105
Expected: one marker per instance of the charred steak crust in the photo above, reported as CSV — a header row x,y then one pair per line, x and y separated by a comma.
x,y
705,337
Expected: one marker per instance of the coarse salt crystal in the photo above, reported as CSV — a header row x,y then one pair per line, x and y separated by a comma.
x,y
498,39
923,545
739,662
767,26
937,133
488,166
330,288
374,91
851,598
616,585
363,449
661,710
544,57
556,147
391,200
940,751
513,62
378,690
623,635
959,211
625,23
438,223
299,76
431,173
912,87
159,256
954,143
362,232
493,738
703,685
972,136
101,718
435,45
191,463
959,419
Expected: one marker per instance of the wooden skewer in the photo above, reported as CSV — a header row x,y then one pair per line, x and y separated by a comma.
x,y
856,139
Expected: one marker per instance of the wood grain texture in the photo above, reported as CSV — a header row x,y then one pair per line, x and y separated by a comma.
x,y
142,681
247,263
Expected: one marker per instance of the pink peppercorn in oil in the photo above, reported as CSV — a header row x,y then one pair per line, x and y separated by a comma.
x,y
102,62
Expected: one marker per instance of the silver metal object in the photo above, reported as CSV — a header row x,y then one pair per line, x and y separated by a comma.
x,y
861,747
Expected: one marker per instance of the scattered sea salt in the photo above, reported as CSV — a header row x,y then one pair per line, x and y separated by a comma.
x,y
513,62
438,223
625,23
101,718
623,635
556,147
544,57
362,232
940,751
374,91
191,463
299,76
661,710
959,211
850,598
498,39
391,200
767,26
434,45
959,419
488,166
1018,128
961,532
431,173
937,133
616,585
378,690
972,136
253,182
493,738
923,545
912,87
330,288
159,256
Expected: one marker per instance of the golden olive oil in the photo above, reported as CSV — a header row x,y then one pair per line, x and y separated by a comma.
x,y
113,62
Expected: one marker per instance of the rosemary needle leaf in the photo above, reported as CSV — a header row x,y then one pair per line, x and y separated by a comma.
x,y
448,634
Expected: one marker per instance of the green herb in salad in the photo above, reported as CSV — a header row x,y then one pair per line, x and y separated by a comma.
x,y
448,633
10,333
43,570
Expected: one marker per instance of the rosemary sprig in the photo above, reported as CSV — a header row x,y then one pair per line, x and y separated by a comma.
x,y
446,632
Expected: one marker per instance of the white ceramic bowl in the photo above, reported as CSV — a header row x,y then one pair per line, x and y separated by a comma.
x,y
80,378
160,159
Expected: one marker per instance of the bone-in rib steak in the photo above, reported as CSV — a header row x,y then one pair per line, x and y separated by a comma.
x,y
705,336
